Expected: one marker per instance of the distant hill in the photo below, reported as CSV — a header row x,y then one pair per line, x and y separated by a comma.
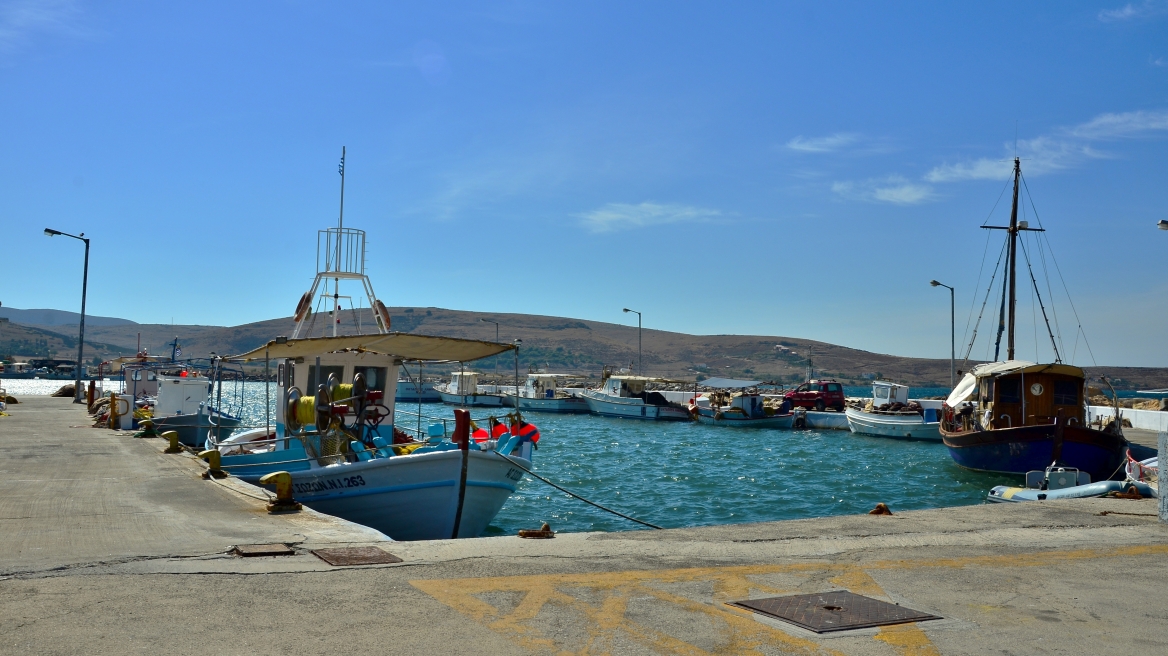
x,y
58,318
561,344
18,340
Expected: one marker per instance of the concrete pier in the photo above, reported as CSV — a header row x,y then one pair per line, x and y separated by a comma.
x,y
108,545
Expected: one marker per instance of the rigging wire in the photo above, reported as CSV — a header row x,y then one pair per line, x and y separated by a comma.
x,y
1063,280
977,325
973,297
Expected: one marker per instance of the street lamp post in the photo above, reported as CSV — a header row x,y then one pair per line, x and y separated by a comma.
x,y
518,343
1162,438
496,339
952,335
640,365
77,394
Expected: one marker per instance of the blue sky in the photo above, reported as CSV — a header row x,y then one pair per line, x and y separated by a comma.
x,y
799,169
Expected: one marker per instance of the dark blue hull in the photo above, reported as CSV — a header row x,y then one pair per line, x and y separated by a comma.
x,y
1031,448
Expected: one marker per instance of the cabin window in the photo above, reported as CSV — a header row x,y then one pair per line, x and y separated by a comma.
x,y
325,371
137,375
833,387
280,375
1066,393
1010,391
374,377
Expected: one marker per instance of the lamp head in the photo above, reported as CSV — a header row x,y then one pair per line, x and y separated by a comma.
x,y
934,283
627,310
1163,224
50,232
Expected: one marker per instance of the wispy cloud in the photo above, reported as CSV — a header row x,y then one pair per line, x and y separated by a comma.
x,y
626,216
1159,61
891,189
1126,124
1063,149
20,19
1132,11
829,144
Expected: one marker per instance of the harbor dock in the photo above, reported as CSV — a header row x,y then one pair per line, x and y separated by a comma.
x,y
112,546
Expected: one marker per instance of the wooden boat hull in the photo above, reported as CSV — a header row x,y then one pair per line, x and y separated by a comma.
x,y
472,400
632,408
570,405
1030,448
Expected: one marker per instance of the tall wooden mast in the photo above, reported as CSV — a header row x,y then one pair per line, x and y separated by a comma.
x,y
1013,258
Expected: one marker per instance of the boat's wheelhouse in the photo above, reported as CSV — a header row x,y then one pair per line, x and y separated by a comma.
x,y
464,383
1013,394
627,387
304,375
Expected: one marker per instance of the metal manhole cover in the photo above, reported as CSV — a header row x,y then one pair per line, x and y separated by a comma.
x,y
356,556
833,611
250,550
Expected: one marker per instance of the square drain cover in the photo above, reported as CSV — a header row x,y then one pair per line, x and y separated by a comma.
x,y
833,611
249,550
356,556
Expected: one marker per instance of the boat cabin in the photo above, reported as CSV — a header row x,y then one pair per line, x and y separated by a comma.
x,y
139,381
625,386
885,393
540,386
1018,393
463,383
181,395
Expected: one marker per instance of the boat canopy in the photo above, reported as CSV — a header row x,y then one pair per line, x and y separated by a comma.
x,y
649,379
728,383
399,345
968,384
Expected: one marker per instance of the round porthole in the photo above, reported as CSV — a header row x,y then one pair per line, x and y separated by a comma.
x,y
1036,389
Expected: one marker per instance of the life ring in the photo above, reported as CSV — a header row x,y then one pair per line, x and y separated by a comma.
x,y
382,314
302,307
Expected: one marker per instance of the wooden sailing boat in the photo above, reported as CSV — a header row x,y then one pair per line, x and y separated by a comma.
x,y
1017,416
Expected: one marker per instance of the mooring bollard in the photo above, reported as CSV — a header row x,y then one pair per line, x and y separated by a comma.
x,y
174,447
212,458
283,501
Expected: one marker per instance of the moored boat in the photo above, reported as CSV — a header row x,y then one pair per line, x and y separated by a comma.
x,y
890,413
739,409
626,397
541,393
463,391
1016,416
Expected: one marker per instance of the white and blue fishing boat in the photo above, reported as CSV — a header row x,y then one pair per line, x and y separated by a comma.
x,y
335,432
184,405
626,397
542,393
463,391
890,413
417,391
741,409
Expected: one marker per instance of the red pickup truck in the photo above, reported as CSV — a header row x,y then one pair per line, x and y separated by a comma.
x,y
818,394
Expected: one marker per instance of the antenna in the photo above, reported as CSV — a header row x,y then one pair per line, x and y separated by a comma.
x,y
341,222
1015,143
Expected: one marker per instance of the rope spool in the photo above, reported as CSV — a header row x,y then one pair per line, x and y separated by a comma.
x,y
306,411
291,419
324,408
344,391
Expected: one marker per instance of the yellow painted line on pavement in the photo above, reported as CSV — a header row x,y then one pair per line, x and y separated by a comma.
x,y
600,601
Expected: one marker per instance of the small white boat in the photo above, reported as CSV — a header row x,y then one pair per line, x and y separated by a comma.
x,y
889,414
625,397
409,391
542,393
463,391
742,409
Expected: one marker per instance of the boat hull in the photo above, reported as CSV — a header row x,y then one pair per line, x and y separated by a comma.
x,y
413,497
606,406
472,400
558,405
192,429
737,420
408,393
1032,448
909,426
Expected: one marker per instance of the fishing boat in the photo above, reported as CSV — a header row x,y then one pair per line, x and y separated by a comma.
x,y
183,405
1016,416
890,413
414,391
463,391
742,408
542,393
347,458
335,435
626,397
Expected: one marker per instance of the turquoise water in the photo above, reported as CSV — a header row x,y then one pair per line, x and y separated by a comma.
x,y
683,474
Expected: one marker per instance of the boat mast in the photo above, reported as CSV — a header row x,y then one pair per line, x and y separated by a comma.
x,y
341,230
1013,258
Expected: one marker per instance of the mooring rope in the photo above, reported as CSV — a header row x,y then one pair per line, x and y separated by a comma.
x,y
573,494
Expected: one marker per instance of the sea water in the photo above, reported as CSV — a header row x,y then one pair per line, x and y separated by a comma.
x,y
677,474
